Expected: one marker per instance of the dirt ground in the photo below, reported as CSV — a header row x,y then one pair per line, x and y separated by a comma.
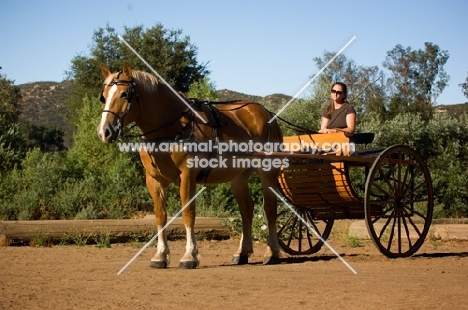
x,y
72,277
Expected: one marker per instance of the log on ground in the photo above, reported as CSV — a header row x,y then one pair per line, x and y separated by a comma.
x,y
117,230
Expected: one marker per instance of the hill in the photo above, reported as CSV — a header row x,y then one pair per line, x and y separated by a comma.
x,y
228,95
453,109
44,103
274,100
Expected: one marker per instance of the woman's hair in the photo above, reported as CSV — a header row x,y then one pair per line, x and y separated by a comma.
x,y
331,107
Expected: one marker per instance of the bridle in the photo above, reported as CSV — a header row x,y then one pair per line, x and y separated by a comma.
x,y
129,96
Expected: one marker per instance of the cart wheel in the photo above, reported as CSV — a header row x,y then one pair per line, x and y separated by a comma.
x,y
398,201
295,237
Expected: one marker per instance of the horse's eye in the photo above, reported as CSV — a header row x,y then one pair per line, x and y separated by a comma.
x,y
123,95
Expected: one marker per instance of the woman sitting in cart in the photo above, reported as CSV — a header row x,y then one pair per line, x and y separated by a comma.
x,y
340,114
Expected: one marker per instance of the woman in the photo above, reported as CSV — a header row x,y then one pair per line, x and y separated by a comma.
x,y
339,115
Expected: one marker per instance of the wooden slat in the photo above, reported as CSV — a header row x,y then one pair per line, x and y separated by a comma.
x,y
321,186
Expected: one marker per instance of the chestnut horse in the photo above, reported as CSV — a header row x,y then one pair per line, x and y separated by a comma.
x,y
136,96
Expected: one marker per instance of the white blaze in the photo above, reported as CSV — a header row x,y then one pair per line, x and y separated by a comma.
x,y
107,107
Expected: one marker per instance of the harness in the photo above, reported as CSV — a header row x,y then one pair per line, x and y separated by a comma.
x,y
216,119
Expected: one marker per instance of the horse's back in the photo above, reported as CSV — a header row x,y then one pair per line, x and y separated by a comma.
x,y
251,117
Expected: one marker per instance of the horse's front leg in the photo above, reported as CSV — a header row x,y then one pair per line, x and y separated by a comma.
x,y
191,258
158,192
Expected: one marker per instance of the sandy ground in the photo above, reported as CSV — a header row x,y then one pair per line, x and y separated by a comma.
x,y
73,277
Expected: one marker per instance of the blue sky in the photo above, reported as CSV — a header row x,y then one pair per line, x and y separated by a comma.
x,y
254,47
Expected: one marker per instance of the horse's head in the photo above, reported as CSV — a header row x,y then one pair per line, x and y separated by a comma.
x,y
117,95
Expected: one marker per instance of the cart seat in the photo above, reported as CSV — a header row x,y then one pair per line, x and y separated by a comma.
x,y
362,138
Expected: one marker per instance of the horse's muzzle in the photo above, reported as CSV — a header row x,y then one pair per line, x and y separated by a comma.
x,y
108,133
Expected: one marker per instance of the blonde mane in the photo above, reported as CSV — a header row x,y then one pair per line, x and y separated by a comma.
x,y
148,81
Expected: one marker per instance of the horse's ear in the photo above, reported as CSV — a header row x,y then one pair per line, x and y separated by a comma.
x,y
127,69
105,71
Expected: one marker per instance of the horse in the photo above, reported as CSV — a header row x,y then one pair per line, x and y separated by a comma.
x,y
131,96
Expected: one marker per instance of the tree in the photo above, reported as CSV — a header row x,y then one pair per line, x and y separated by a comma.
x,y
46,138
170,54
203,89
363,90
11,140
418,77
464,87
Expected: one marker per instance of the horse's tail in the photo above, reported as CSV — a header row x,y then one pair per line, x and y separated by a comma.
x,y
273,126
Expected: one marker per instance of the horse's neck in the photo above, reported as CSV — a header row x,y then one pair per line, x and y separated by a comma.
x,y
160,113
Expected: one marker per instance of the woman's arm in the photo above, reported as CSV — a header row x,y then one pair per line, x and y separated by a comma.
x,y
323,126
350,123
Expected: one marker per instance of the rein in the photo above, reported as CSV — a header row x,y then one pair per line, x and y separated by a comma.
x,y
161,127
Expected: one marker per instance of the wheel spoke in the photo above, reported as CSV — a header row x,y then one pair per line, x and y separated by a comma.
x,y
390,238
392,174
386,224
405,181
390,208
415,189
299,238
412,224
291,235
385,178
424,217
399,231
375,185
414,174
312,223
407,230
291,217
398,178
409,201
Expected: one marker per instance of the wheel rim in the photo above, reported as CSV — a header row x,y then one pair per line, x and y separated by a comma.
x,y
297,238
398,201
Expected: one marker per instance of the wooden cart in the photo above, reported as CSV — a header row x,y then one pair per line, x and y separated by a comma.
x,y
395,199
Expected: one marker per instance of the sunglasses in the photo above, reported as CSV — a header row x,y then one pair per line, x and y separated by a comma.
x,y
337,92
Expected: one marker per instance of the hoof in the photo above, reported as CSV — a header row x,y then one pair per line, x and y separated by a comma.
x,y
158,264
271,260
240,260
188,265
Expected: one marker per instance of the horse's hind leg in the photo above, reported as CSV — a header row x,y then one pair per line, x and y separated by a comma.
x,y
240,190
270,206
158,192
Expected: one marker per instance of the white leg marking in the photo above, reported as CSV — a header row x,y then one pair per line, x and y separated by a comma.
x,y
191,248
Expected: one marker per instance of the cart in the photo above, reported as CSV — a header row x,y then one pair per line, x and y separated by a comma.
x,y
395,197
